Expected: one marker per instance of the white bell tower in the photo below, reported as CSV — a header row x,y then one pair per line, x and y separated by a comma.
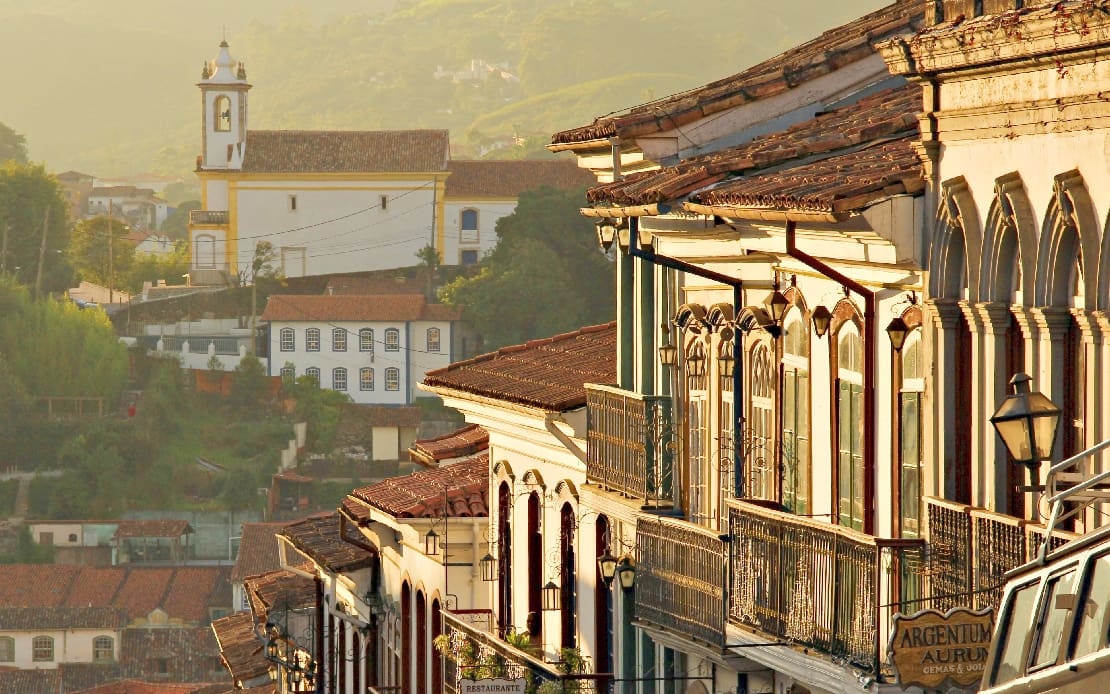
x,y
223,90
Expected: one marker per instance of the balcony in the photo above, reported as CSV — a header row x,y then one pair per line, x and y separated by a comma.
x,y
971,549
475,652
829,588
208,217
680,578
629,445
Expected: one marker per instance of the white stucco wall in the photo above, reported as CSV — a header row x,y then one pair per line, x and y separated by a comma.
x,y
454,241
70,646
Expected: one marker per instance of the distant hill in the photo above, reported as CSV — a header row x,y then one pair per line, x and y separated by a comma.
x,y
109,87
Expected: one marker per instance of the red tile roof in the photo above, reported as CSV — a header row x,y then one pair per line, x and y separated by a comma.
x,y
828,52
466,441
351,151
279,590
172,529
380,416
188,654
22,618
30,681
387,307
184,593
240,646
510,178
318,538
258,550
140,687
839,184
421,494
550,374
885,114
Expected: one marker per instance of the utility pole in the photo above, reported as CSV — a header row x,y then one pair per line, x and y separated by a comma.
x,y
4,248
111,259
42,250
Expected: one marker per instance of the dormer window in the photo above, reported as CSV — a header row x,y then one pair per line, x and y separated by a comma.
x,y
223,114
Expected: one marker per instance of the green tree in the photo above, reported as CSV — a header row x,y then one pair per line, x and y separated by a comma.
x,y
249,383
545,276
176,225
31,204
13,146
94,242
147,267
320,408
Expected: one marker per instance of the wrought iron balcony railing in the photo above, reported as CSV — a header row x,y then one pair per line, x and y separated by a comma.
x,y
473,650
680,578
971,549
830,588
208,217
630,448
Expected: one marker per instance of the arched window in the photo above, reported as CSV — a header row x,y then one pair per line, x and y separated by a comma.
x,y
339,378
339,339
393,379
909,434
103,649
567,577
697,417
795,415
204,251
366,340
7,649
504,556
534,622
433,339
222,114
849,413
288,339
392,340
288,375
42,649
405,627
760,443
312,340
437,661
366,378
422,645
468,226
313,373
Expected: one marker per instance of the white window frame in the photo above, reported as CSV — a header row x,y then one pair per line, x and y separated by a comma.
x,y
312,340
339,339
392,340
393,379
339,378
366,340
313,372
366,379
7,649
434,340
42,649
104,649
287,339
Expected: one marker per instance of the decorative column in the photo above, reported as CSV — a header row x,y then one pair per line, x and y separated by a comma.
x,y
990,343
1050,332
939,435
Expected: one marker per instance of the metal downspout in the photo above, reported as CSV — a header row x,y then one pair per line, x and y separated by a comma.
x,y
869,344
737,301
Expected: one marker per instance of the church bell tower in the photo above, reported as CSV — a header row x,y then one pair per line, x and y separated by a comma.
x,y
223,89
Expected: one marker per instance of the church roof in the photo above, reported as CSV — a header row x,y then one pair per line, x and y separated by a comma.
x,y
346,151
510,178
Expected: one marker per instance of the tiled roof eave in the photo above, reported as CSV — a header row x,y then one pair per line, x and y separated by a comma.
x,y
479,396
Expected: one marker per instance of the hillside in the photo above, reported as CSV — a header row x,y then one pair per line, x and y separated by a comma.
x,y
109,87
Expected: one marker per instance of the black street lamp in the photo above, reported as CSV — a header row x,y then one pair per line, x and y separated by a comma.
x,y
897,330
489,568
627,573
607,564
821,319
1027,423
551,597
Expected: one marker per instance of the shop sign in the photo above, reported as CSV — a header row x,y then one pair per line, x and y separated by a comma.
x,y
493,686
930,648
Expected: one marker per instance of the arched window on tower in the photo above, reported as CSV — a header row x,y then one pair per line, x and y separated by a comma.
x,y
223,114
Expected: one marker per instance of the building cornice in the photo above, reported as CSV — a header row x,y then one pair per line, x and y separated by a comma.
x,y
1062,34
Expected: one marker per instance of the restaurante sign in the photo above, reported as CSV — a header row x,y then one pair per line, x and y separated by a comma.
x,y
929,648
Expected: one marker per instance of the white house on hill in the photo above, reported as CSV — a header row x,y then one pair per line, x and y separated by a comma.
x,y
374,348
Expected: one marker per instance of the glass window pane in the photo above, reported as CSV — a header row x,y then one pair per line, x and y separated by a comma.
x,y
1053,615
1013,629
1092,625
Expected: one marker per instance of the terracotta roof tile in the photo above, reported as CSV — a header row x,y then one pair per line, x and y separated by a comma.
x,y
173,529
350,151
96,587
363,416
82,677
550,373
188,595
421,494
820,56
885,114
36,585
318,538
190,654
510,178
387,307
140,687
466,441
19,618
838,184
30,681
258,550
278,590
240,646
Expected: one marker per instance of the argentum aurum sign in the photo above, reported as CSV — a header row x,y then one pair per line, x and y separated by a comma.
x,y
930,648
